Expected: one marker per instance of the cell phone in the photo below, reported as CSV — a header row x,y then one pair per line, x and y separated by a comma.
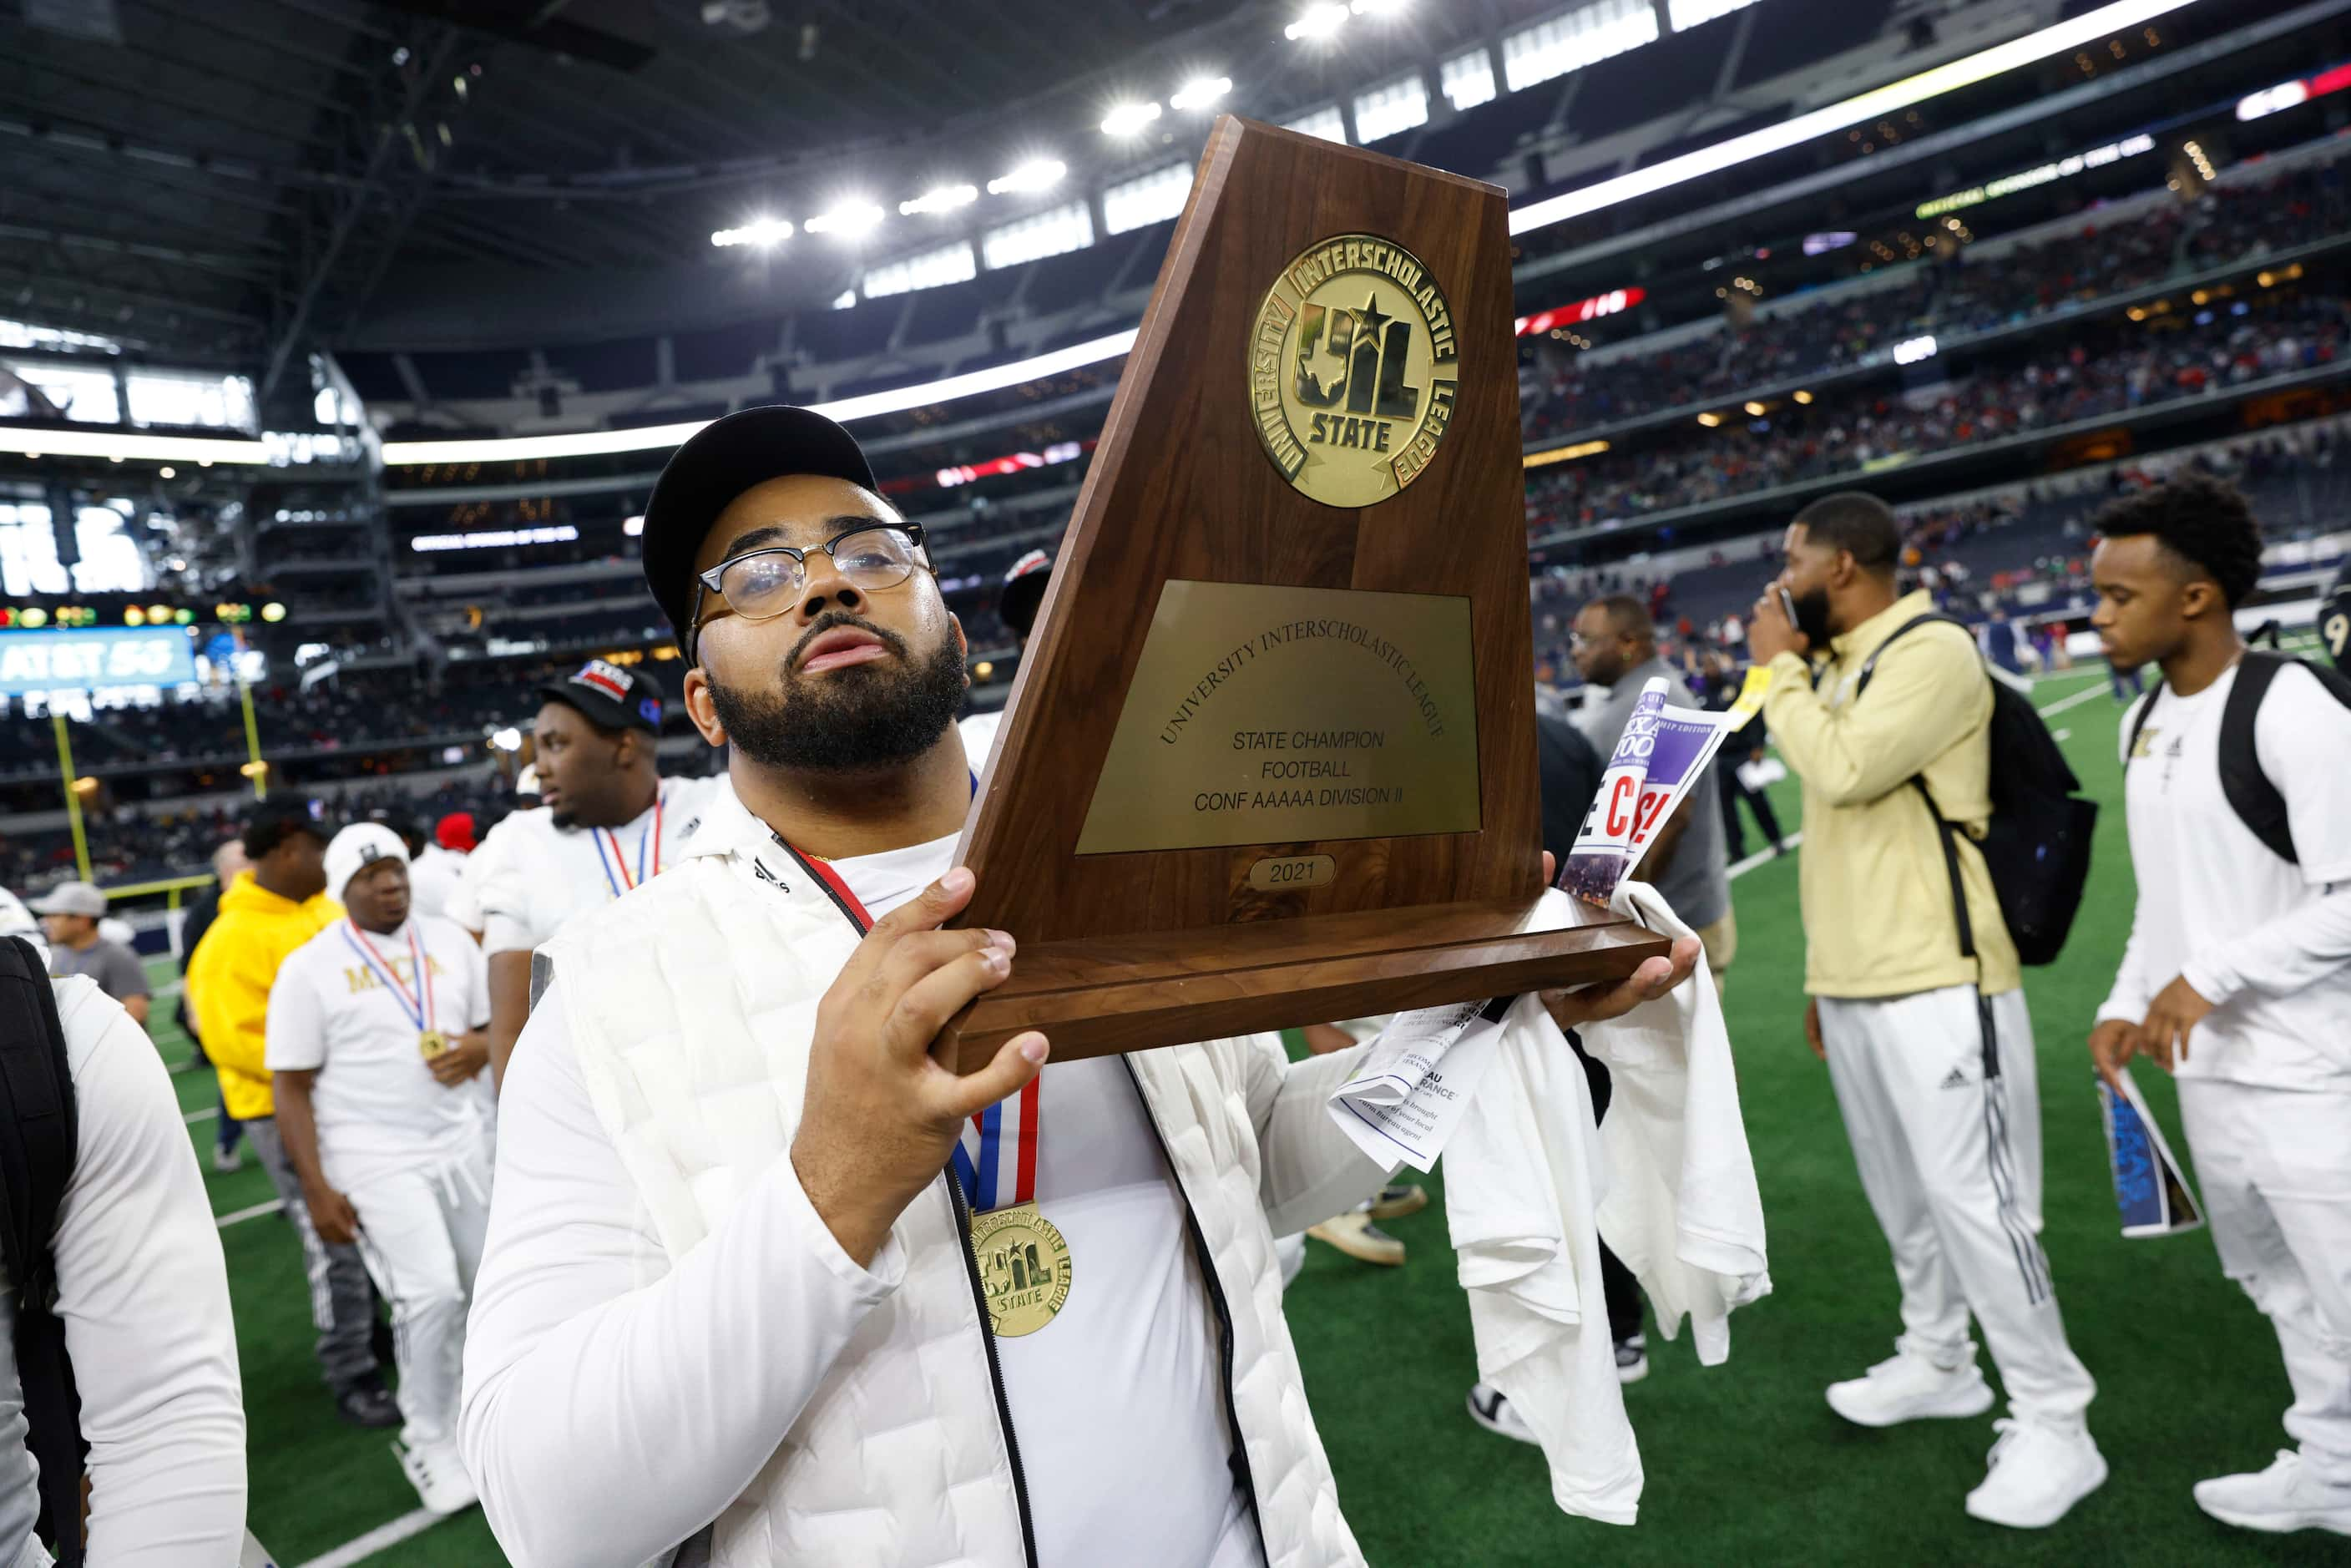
x,y
1787,601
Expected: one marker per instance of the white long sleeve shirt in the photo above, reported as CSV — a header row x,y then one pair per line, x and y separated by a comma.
x,y
143,1294
2266,941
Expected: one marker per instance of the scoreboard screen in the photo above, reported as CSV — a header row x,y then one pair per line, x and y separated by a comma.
x,y
95,659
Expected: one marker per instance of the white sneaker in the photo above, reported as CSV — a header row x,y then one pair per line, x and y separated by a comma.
x,y
2038,1471
1492,1411
440,1479
2283,1498
1910,1388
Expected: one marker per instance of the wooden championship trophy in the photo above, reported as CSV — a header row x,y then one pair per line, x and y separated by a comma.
x,y
1269,759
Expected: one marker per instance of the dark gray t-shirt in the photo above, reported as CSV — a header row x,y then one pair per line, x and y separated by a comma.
x,y
1697,883
114,968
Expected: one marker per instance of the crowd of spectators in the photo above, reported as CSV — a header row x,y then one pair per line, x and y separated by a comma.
x,y
129,847
2097,374
1949,297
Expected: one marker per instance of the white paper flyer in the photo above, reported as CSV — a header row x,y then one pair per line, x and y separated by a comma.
x,y
1416,1080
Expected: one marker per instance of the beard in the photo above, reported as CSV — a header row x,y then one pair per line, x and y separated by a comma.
x,y
1813,616
862,720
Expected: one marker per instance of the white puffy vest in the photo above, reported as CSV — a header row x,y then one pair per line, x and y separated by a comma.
x,y
693,1003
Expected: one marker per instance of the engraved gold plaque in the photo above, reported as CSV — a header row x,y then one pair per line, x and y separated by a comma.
x,y
1261,715
1353,370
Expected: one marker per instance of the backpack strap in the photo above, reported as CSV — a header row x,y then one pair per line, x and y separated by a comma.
x,y
1947,833
1869,665
39,1134
2146,707
2250,794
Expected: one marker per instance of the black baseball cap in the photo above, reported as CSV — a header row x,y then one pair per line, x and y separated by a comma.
x,y
1023,591
610,695
276,821
722,459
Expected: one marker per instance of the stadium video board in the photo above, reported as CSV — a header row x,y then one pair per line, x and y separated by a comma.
x,y
95,658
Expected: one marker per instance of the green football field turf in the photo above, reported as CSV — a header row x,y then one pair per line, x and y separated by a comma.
x,y
1745,1463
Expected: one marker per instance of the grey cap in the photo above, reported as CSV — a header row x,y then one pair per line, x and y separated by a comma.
x,y
72,898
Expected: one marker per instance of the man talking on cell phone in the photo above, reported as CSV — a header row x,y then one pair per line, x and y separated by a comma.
x,y
1921,1020
755,1285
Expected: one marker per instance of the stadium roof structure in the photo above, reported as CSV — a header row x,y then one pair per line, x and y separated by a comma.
x,y
223,179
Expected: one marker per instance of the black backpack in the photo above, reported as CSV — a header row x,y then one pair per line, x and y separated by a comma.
x,y
2037,844
2249,793
38,1133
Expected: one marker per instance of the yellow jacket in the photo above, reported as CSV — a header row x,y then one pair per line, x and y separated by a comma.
x,y
228,981
1877,890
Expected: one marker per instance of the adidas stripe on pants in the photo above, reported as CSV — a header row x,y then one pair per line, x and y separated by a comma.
x,y
1951,1165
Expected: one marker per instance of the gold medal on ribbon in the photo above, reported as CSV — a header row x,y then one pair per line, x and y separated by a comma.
x,y
432,1042
1024,1267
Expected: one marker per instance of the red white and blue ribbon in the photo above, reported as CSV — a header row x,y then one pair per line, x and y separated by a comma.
x,y
416,1007
996,1157
616,867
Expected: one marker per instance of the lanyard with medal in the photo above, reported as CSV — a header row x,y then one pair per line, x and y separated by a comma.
x,y
1024,1260
616,868
416,1008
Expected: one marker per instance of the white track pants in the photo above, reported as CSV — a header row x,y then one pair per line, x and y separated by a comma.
x,y
2275,1167
421,1233
1951,1163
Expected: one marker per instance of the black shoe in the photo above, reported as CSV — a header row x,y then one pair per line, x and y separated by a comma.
x,y
1633,1358
368,1405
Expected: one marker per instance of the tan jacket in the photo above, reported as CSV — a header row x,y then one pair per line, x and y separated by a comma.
x,y
1877,894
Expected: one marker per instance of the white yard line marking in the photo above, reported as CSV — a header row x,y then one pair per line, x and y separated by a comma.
x,y
2075,700
239,1215
383,1535
2061,735
207,1114
1761,857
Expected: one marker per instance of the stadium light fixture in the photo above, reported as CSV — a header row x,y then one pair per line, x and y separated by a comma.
x,y
1200,92
202,450
1037,175
1317,21
1911,351
1709,419
1893,97
761,234
633,528
1381,8
940,199
1130,118
853,219
1803,396
655,437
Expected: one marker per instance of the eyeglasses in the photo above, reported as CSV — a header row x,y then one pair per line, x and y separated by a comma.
x,y
761,584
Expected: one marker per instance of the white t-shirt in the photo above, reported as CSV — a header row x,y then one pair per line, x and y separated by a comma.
x,y
2268,941
538,876
377,1106
1125,1381
433,878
